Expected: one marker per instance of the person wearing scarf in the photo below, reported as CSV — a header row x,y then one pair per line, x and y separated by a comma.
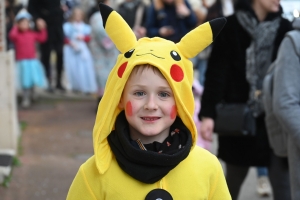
x,y
144,135
239,60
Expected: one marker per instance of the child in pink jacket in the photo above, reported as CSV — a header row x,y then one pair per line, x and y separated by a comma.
x,y
30,72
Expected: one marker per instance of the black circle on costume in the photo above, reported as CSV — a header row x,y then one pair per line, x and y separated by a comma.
x,y
129,53
175,55
158,194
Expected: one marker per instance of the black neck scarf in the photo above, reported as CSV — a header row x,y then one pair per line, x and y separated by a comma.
x,y
149,166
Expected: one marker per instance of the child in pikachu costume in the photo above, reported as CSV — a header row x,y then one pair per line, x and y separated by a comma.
x,y
172,167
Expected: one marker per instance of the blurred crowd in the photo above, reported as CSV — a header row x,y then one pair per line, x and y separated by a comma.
x,y
85,55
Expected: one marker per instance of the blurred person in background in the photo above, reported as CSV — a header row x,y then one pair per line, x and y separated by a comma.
x,y
170,19
134,13
207,10
50,11
95,6
67,6
78,62
286,98
239,59
197,92
30,72
104,51
93,9
263,186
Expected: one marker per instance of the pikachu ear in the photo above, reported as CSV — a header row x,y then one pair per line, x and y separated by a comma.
x,y
117,29
199,38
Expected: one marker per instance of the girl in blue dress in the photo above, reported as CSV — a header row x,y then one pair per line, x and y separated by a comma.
x,y
78,61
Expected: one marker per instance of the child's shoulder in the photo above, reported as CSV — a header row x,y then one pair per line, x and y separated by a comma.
x,y
200,163
200,150
89,163
200,155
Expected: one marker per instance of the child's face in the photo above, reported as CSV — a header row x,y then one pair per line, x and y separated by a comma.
x,y
149,105
23,25
78,15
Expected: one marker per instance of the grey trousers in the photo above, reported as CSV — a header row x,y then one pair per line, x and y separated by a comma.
x,y
294,164
278,175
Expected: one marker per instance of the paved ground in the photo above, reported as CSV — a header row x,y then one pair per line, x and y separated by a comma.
x,y
57,139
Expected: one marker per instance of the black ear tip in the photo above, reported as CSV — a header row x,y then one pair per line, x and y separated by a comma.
x,y
217,25
105,12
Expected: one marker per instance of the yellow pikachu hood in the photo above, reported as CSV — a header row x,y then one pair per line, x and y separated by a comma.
x,y
170,58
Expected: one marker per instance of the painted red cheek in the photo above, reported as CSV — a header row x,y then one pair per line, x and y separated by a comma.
x,y
128,108
176,73
173,112
122,69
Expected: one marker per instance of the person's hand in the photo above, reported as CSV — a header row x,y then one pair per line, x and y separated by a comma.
x,y
207,127
40,24
64,8
182,10
140,32
74,46
205,3
166,31
80,37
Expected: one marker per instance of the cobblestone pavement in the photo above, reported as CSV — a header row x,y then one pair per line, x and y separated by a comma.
x,y
56,140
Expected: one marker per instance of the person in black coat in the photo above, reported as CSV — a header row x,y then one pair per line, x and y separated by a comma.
x,y
167,22
11,9
52,13
256,27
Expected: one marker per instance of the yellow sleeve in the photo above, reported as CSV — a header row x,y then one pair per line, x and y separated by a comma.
x,y
80,189
219,189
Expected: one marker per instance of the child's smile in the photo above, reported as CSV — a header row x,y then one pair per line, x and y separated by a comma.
x,y
149,105
150,119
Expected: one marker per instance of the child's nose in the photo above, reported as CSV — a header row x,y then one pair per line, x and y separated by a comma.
x,y
151,103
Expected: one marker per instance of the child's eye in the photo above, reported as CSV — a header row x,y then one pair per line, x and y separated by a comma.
x,y
139,94
164,94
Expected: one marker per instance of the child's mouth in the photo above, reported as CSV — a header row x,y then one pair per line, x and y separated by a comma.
x,y
150,118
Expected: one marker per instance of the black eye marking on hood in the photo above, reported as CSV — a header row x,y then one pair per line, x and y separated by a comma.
x,y
175,55
150,54
129,53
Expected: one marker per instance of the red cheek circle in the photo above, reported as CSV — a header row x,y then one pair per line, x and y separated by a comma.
x,y
122,69
176,73
128,109
173,112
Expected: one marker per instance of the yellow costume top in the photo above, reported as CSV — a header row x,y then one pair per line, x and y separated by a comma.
x,y
199,175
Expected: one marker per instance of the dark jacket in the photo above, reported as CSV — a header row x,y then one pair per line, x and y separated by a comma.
x,y
226,81
181,26
52,13
49,10
128,10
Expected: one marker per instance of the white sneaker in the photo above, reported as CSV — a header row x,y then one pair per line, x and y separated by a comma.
x,y
263,186
34,96
26,99
26,102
